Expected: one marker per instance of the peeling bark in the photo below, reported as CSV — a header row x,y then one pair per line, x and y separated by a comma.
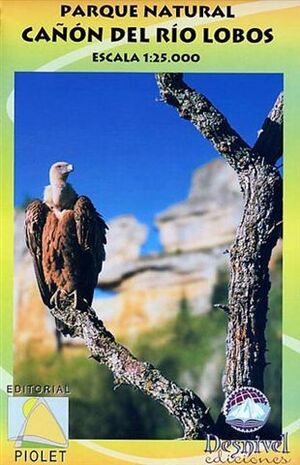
x,y
260,227
183,404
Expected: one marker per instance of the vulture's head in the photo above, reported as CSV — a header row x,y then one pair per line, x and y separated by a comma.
x,y
59,171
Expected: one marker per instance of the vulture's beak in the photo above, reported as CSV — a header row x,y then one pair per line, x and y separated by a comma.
x,y
70,168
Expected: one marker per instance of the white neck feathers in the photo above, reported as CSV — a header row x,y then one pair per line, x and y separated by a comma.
x,y
60,196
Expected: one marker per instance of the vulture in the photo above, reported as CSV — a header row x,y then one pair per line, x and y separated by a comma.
x,y
66,237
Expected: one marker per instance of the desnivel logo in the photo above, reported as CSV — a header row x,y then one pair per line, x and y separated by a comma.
x,y
246,409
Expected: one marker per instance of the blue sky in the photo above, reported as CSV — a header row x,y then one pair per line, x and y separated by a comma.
x,y
131,153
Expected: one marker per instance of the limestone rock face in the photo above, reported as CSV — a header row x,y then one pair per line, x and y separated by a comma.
x,y
194,234
124,240
210,215
152,289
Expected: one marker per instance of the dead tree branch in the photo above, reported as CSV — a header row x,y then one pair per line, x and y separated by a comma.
x,y
261,186
206,118
183,404
270,140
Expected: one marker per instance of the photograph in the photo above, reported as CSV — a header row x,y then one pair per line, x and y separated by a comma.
x,y
148,250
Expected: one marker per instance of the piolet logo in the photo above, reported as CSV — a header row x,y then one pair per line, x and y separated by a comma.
x,y
246,409
37,422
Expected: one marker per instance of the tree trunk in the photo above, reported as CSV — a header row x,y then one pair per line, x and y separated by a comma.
x,y
249,277
260,227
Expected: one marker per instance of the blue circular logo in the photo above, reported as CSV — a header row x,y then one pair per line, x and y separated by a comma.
x,y
246,409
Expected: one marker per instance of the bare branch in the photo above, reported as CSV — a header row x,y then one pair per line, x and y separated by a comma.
x,y
269,144
225,308
207,119
183,404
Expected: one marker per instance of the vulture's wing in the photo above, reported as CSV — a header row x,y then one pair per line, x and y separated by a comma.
x,y
91,231
35,218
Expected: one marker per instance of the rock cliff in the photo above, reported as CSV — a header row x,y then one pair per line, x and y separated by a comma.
x,y
210,214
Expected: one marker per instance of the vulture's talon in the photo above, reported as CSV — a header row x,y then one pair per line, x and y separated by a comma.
x,y
74,296
54,301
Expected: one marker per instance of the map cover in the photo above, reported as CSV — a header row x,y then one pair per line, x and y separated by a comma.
x,y
149,232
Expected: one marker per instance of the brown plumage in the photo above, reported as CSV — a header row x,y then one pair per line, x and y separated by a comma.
x,y
65,236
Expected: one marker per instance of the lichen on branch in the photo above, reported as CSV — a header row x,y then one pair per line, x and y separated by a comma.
x,y
207,119
183,404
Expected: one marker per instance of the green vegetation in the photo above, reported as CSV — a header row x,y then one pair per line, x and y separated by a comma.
x,y
180,349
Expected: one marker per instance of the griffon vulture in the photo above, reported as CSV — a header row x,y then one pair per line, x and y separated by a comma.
x,y
65,236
